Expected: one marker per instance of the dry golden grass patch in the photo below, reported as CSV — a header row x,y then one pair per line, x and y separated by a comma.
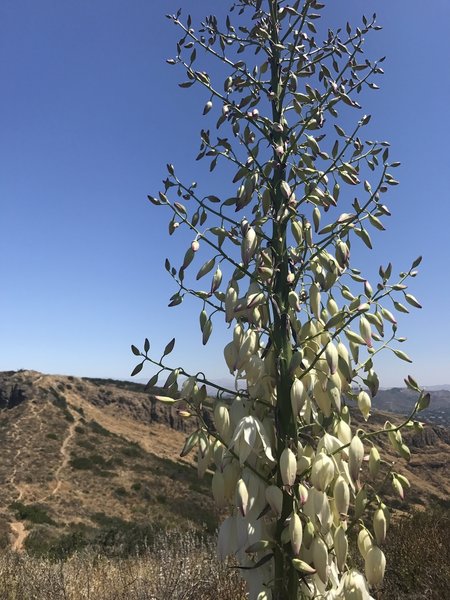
x,y
178,566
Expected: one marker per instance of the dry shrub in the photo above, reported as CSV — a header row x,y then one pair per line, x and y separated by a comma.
x,y
177,566
418,557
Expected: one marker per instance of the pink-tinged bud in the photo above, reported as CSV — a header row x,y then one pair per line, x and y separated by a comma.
x,y
365,331
365,542
279,151
285,190
195,246
341,494
302,493
175,225
379,525
296,533
288,467
320,558
242,497
249,245
225,110
355,457
322,472
218,490
375,564
332,357
340,547
388,316
255,113
290,278
364,404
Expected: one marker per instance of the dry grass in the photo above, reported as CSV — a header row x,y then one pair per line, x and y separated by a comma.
x,y
176,567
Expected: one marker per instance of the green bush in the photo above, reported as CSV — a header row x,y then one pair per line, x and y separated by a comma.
x,y
31,512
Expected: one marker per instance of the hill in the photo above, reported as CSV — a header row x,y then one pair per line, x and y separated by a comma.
x,y
92,459
97,461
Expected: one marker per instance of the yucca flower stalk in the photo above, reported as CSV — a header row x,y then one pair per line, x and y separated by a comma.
x,y
306,326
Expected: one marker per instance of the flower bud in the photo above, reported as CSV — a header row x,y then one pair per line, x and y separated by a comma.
x,y
288,467
195,246
364,404
308,534
242,497
208,107
298,396
332,357
343,432
320,558
375,564
249,245
296,533
314,300
322,472
302,493
355,457
274,497
285,190
355,586
365,331
365,542
379,525
223,422
341,494
340,547
231,356
332,306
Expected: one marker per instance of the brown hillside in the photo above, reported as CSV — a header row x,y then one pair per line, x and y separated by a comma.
x,y
80,455
99,460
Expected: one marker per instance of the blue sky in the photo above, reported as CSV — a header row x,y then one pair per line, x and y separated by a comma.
x,y
90,113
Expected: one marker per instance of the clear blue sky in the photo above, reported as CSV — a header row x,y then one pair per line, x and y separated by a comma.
x,y
89,116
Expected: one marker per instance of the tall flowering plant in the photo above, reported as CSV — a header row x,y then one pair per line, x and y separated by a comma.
x,y
296,474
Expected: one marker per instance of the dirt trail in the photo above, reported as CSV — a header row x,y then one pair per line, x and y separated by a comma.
x,y
65,453
20,535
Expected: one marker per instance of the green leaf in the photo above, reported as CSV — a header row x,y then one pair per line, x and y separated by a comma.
x,y
146,345
152,381
424,401
168,349
135,350
137,369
